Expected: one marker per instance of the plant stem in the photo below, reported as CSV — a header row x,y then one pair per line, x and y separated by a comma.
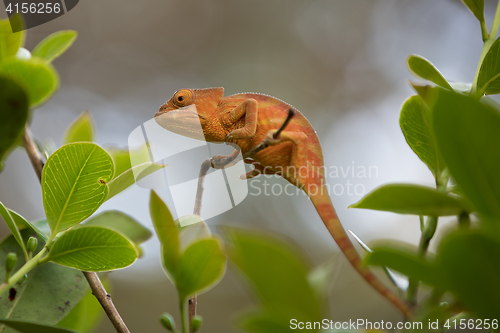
x,y
26,268
184,319
94,282
487,43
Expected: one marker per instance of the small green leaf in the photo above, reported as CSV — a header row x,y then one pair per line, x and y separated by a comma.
x,y
10,42
48,294
54,45
27,327
193,232
81,130
122,223
38,79
476,7
167,233
9,220
467,135
91,248
411,199
278,274
201,265
423,68
407,263
86,315
121,158
14,112
267,323
415,122
127,178
185,221
74,183
40,227
470,262
488,81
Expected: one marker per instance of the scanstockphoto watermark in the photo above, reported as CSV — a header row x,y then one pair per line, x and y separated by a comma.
x,y
339,180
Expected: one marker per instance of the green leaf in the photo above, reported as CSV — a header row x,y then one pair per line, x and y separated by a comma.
x,y
411,199
41,228
407,263
27,327
278,274
10,42
14,113
193,232
127,178
49,292
38,79
74,183
54,45
86,315
467,135
91,248
488,81
201,265
121,158
122,223
266,323
471,266
415,121
9,220
476,7
423,68
81,130
167,233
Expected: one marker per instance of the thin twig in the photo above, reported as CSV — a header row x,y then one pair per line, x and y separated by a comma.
x,y
221,164
94,282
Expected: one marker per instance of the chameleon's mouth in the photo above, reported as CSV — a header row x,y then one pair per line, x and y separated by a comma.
x,y
184,121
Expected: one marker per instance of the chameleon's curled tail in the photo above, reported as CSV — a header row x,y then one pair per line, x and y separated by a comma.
x,y
324,206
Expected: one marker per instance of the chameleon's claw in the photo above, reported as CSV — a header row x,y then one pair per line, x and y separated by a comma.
x,y
270,140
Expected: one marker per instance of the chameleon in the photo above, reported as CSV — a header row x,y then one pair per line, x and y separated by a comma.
x,y
244,121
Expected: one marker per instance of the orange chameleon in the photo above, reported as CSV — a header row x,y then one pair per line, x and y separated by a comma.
x,y
244,121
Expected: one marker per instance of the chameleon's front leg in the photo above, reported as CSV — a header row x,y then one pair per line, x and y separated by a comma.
x,y
249,109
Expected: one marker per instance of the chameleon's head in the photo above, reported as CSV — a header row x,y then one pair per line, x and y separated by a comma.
x,y
188,109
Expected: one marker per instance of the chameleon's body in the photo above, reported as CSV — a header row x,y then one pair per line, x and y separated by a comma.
x,y
248,119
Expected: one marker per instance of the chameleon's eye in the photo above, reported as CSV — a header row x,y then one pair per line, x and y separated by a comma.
x,y
183,97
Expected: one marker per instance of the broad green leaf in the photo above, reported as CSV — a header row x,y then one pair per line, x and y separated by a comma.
x,y
278,274
37,78
488,81
201,265
81,130
121,158
167,233
86,315
28,327
470,262
48,294
91,248
9,220
10,42
13,112
41,227
424,69
411,199
467,134
74,183
54,45
407,263
268,323
415,122
127,178
476,7
121,223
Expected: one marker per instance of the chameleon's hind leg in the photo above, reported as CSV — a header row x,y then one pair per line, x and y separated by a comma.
x,y
297,169
249,109
259,169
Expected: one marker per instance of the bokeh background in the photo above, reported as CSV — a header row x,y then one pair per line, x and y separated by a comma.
x,y
342,63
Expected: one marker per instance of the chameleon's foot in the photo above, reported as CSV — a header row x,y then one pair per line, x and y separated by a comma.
x,y
223,161
270,140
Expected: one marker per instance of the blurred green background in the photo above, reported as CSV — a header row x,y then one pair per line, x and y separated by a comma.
x,y
341,63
